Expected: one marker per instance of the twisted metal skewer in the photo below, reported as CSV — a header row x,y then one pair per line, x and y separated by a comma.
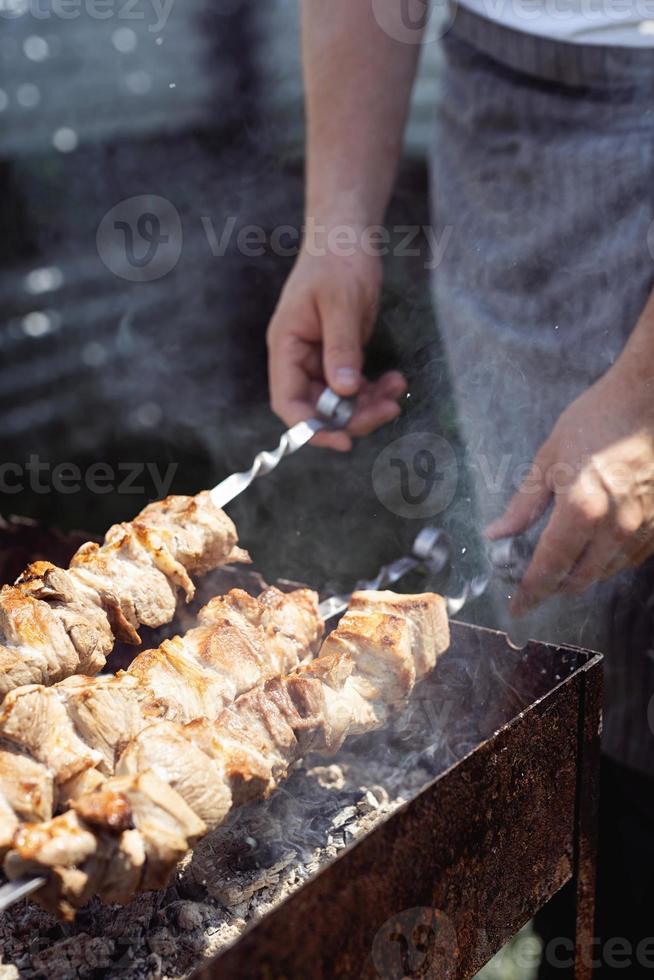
x,y
332,413
507,559
430,549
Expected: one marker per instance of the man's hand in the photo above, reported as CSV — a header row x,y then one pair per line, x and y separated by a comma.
x,y
316,338
598,467
357,83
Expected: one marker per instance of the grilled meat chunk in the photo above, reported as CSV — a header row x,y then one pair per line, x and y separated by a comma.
x,y
196,533
170,753
428,621
123,873
130,586
292,626
78,609
8,824
85,851
35,718
108,711
26,785
55,623
164,821
36,640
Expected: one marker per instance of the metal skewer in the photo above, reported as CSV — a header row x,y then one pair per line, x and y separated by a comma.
x,y
471,590
430,549
13,891
510,558
332,412
507,560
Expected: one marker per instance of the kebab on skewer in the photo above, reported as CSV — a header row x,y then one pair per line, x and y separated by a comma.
x,y
56,622
175,782
59,742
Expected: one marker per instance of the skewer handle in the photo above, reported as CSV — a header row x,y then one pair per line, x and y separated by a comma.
x,y
430,548
332,413
508,560
17,889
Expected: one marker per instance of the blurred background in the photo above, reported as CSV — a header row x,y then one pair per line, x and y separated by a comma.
x,y
194,108
198,104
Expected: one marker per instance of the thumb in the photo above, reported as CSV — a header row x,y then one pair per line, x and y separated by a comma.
x,y
526,506
342,351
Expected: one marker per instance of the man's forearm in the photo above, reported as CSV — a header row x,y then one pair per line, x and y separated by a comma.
x,y
358,83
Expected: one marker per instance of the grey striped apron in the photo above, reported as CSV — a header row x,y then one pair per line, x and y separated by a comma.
x,y
543,170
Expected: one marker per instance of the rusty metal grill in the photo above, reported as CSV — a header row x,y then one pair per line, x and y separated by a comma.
x,y
490,780
480,848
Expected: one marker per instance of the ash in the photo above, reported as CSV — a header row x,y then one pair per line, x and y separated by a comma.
x,y
262,854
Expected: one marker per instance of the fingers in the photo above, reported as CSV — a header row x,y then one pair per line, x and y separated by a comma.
x,y
609,550
623,542
291,367
561,546
377,404
391,385
527,505
589,538
313,343
602,554
643,547
340,441
342,348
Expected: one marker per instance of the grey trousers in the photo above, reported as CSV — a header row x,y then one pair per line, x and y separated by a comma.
x,y
543,172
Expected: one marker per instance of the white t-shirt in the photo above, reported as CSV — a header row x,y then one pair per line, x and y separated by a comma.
x,y
626,23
